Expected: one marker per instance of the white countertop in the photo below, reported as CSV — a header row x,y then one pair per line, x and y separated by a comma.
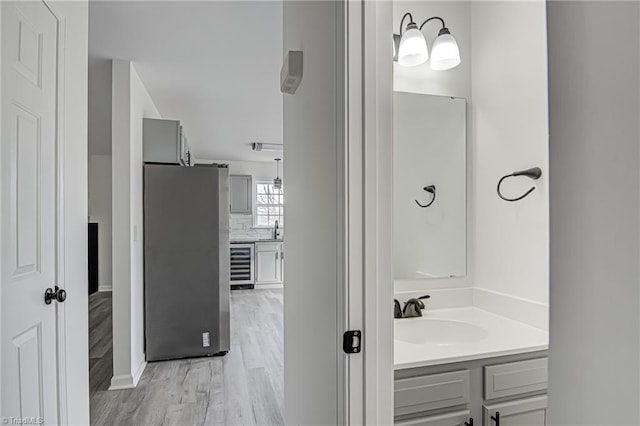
x,y
503,337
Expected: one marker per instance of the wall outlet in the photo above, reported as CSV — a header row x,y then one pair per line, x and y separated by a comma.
x,y
206,339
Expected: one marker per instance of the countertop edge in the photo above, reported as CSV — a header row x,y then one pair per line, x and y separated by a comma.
x,y
470,357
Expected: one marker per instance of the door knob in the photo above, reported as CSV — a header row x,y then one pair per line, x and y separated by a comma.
x,y
58,294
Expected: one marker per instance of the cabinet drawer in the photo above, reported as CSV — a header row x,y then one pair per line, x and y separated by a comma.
x,y
515,378
423,393
457,418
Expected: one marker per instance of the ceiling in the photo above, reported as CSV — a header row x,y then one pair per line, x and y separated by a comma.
x,y
214,65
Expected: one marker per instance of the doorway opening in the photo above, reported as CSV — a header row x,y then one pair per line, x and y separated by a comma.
x,y
184,62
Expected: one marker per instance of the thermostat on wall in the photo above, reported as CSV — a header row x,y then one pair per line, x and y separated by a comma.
x,y
291,72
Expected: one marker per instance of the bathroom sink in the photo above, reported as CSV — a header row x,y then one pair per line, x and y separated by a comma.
x,y
439,332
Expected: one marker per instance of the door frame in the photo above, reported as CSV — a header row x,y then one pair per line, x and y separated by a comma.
x,y
368,198
61,308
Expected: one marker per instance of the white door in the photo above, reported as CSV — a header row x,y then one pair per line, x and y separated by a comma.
x,y
28,207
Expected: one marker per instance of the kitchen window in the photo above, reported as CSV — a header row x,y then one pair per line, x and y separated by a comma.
x,y
269,205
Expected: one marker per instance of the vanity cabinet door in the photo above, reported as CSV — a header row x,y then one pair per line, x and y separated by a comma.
x,y
457,418
522,412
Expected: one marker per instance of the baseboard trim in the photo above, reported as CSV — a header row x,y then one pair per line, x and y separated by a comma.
x,y
105,288
123,381
527,311
138,373
265,286
128,381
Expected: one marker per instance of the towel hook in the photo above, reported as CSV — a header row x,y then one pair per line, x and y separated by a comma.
x,y
431,189
533,173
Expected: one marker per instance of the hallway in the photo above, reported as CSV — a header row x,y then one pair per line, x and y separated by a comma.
x,y
245,387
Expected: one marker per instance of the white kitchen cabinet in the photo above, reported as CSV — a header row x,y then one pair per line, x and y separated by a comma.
x,y
269,263
240,194
525,411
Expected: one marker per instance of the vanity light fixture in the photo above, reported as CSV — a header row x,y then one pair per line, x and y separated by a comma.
x,y
410,46
277,182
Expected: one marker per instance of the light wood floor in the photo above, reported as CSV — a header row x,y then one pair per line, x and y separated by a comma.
x,y
245,387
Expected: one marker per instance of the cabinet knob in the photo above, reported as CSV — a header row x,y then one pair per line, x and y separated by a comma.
x,y
470,422
496,418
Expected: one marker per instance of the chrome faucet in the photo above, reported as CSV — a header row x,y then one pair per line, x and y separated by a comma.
x,y
276,233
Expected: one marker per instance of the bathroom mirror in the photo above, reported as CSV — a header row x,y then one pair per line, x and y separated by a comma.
x,y
429,185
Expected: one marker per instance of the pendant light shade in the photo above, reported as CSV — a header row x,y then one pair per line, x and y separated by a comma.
x,y
445,53
277,182
413,47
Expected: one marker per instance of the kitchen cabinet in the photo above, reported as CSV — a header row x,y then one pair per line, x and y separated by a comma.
x,y
525,411
500,391
240,187
269,262
165,142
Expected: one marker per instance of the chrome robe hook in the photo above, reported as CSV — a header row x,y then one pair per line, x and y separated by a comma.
x,y
533,173
431,189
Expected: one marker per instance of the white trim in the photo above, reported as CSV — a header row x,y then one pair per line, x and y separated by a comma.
x,y
258,286
105,288
123,381
377,80
61,340
369,199
128,381
138,371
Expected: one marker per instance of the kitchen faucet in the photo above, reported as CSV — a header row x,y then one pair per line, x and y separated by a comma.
x,y
275,231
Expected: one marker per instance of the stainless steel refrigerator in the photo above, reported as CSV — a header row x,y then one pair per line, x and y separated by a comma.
x,y
186,260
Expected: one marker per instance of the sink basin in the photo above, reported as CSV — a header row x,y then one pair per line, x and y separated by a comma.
x,y
422,331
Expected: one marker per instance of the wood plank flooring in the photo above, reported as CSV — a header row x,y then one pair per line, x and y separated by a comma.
x,y
245,387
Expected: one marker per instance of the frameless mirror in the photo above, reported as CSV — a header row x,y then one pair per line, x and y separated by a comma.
x,y
429,184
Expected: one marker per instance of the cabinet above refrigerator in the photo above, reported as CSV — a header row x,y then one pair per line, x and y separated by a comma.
x,y
165,142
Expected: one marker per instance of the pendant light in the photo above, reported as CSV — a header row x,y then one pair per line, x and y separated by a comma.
x,y
277,182
412,47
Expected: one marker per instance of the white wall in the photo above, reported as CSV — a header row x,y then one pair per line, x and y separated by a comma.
x,y
594,374
130,104
509,133
312,385
100,212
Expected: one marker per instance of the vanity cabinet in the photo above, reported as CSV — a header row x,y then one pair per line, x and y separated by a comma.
x,y
511,389
269,263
